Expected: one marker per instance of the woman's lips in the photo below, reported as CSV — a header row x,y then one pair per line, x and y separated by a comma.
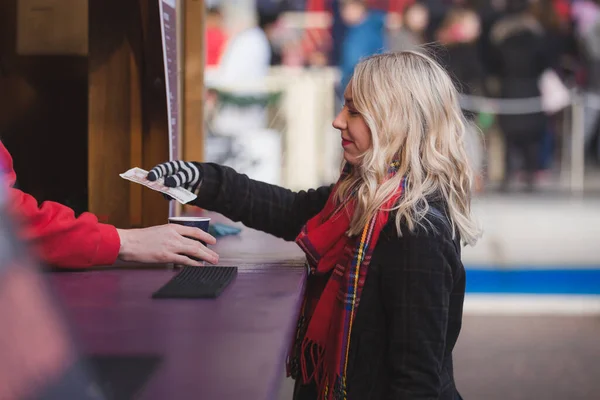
x,y
346,142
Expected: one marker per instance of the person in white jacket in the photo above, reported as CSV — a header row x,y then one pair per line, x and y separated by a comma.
x,y
239,135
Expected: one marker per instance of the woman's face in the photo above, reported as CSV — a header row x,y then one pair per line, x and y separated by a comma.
x,y
356,135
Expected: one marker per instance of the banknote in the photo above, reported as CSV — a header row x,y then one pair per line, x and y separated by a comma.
x,y
139,175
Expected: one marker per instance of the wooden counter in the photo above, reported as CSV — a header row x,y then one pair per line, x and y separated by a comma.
x,y
233,347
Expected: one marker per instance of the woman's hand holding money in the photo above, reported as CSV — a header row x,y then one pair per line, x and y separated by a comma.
x,y
187,175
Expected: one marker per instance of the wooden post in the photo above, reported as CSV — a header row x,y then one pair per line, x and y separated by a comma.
x,y
110,108
127,110
193,80
155,209
192,88
127,104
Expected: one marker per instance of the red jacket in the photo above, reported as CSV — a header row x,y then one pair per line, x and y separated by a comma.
x,y
216,40
59,237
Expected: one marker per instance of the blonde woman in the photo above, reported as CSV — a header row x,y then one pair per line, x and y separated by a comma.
x,y
383,305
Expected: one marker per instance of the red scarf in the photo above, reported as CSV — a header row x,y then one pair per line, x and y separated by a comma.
x,y
339,266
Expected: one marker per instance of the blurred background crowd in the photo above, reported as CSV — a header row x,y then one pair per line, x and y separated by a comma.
x,y
517,63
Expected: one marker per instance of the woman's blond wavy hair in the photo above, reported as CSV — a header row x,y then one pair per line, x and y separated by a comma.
x,y
412,109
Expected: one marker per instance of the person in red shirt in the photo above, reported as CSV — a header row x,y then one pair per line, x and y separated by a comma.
x,y
63,240
216,36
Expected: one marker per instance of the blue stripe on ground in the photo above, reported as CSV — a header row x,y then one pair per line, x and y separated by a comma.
x,y
534,281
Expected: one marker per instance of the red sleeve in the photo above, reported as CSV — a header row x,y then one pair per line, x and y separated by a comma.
x,y
59,237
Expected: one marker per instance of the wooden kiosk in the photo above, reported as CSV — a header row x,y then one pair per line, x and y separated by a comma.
x,y
83,98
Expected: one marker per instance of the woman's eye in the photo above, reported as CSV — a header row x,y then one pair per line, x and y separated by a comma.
x,y
351,111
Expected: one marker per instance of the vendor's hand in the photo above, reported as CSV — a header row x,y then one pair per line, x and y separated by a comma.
x,y
168,243
187,175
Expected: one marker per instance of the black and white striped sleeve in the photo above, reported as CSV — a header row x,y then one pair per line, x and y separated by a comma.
x,y
178,173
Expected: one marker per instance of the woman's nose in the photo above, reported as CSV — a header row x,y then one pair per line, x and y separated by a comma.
x,y
339,122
